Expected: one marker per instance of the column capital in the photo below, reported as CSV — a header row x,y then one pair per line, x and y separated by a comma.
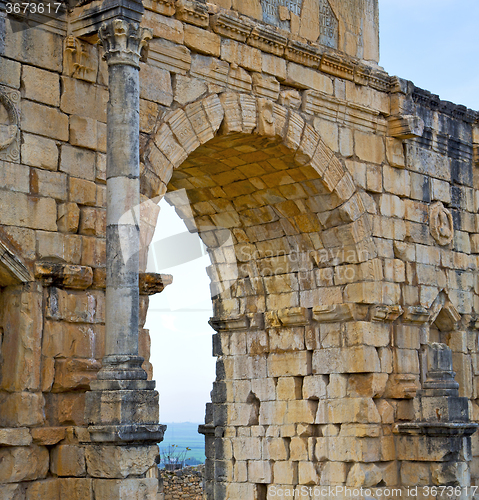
x,y
124,42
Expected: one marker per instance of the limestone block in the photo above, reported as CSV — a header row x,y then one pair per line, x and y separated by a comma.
x,y
346,360
169,56
395,152
365,475
129,489
68,217
48,436
298,449
369,147
155,85
15,437
337,385
83,99
451,473
57,245
45,183
406,361
21,409
288,388
275,449
300,412
10,73
83,132
119,461
250,8
362,410
82,191
241,55
148,116
76,488
260,471
239,79
164,27
264,389
44,120
78,162
93,221
23,463
40,85
396,181
15,177
74,374
272,412
391,206
333,473
365,333
202,41
68,460
40,47
210,69
314,387
307,78
22,318
273,65
48,489
290,363
307,473
39,152
247,448
370,385
187,89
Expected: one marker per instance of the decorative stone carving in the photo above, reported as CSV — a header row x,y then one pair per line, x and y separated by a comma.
x,y
9,124
80,59
231,27
440,224
124,43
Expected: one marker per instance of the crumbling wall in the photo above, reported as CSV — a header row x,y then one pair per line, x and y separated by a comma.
x,y
186,483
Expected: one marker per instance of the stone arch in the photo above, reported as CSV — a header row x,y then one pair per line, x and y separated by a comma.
x,y
184,137
259,171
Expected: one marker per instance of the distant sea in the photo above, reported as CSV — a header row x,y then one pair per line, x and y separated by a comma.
x,y
183,435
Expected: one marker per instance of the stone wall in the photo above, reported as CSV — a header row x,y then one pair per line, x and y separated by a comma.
x,y
184,484
339,206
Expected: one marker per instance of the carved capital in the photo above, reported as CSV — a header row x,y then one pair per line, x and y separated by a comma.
x,y
124,42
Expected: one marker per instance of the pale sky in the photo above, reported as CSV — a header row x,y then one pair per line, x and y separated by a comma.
x,y
434,43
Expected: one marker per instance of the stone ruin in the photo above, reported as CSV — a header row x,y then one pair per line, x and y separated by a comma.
x,y
338,204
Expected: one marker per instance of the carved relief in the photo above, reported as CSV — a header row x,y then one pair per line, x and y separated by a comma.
x,y
441,224
9,124
80,59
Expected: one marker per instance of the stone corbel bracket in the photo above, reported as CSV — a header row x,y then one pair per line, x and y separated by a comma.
x,y
405,127
64,275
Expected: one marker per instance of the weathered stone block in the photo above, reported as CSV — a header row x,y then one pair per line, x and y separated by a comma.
x,y
119,461
44,120
83,99
40,85
39,152
68,460
23,463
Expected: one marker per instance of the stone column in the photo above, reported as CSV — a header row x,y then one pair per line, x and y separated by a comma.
x,y
122,406
123,43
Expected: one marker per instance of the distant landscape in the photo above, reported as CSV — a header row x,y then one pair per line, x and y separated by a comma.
x,y
183,435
